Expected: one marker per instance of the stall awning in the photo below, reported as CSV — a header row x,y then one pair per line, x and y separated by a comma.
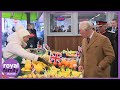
x,y
20,15
6,14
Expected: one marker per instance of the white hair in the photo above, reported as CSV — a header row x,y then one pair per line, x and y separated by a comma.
x,y
19,26
86,25
20,32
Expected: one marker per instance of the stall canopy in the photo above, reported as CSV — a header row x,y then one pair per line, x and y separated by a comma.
x,y
20,15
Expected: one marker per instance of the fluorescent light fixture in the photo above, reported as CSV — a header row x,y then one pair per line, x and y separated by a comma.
x,y
97,15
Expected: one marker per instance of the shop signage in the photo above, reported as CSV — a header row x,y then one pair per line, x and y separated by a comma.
x,y
60,18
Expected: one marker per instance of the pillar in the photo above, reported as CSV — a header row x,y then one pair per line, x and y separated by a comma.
x,y
28,17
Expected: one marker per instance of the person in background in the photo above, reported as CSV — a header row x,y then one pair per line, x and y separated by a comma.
x,y
62,28
69,28
32,43
42,35
54,28
114,26
4,38
97,52
17,41
114,40
114,65
114,31
102,26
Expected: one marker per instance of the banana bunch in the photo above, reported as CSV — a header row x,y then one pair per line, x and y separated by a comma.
x,y
63,74
38,66
27,67
52,72
72,52
76,74
54,68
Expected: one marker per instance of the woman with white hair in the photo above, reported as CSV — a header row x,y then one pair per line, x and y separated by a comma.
x,y
17,41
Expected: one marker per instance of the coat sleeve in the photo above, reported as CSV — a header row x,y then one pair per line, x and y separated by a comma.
x,y
109,54
19,51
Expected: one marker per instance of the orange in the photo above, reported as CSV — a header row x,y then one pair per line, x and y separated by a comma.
x,y
63,66
59,53
50,62
63,61
71,66
66,63
59,64
55,63
73,61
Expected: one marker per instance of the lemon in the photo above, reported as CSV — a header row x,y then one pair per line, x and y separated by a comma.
x,y
35,62
37,75
25,76
38,68
23,69
27,65
34,76
76,74
19,76
27,70
40,64
46,57
29,76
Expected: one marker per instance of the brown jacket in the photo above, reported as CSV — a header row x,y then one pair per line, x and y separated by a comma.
x,y
98,52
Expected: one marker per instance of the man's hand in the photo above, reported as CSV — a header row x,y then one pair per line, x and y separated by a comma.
x,y
80,68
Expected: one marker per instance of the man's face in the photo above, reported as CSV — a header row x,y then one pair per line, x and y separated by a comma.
x,y
26,38
102,28
30,27
84,33
114,24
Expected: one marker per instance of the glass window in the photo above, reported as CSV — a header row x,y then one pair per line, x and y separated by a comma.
x,y
60,22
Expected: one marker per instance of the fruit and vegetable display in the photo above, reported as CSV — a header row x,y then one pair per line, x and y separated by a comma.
x,y
70,53
61,67
40,70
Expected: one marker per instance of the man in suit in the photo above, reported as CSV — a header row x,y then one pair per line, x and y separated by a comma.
x,y
114,31
114,26
98,52
114,65
113,38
